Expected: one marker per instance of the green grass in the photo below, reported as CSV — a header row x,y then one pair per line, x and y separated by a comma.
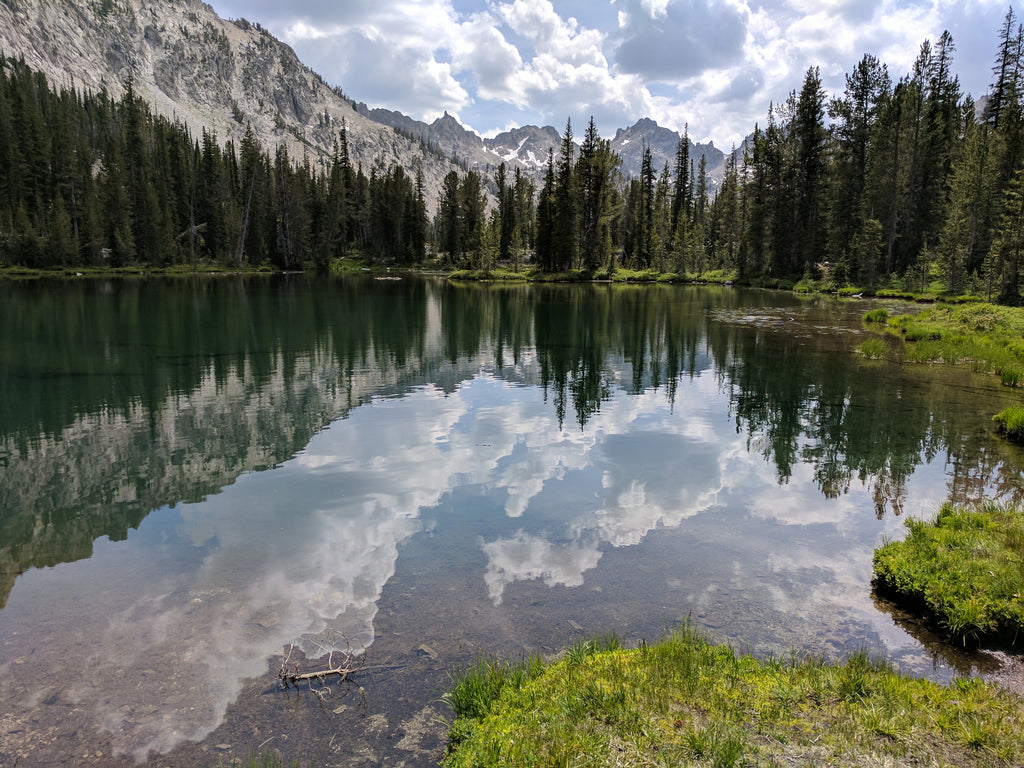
x,y
874,348
687,702
1011,423
966,568
851,290
879,315
983,337
145,270
502,274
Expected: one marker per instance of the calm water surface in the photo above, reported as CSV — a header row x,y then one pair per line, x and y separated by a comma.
x,y
199,478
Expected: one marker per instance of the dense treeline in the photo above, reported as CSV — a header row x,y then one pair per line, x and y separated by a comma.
x,y
87,180
907,181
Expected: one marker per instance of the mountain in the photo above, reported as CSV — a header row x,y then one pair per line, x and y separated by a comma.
x,y
207,72
527,145
221,75
629,144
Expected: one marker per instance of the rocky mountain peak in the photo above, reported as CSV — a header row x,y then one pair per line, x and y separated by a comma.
x,y
209,73
220,76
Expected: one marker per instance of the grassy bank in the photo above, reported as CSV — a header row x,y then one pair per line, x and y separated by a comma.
x,y
26,273
617,275
687,702
984,337
966,568
1010,423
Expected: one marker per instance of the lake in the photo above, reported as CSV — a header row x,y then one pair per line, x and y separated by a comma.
x,y
204,480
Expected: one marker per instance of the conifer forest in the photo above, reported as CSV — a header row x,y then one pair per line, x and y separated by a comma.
x,y
898,179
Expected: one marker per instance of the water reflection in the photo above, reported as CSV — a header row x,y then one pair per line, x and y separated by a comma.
x,y
237,466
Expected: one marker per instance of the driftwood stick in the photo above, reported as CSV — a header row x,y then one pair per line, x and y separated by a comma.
x,y
342,672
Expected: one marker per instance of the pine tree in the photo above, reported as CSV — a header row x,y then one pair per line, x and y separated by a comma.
x,y
449,229
595,174
1006,70
727,218
681,185
697,246
1007,253
523,234
506,214
119,236
808,132
966,238
855,117
472,217
565,234
545,234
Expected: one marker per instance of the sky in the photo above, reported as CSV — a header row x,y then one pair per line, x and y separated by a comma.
x,y
712,65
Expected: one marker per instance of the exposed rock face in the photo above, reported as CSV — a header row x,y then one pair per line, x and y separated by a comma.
x,y
219,75
629,143
208,72
528,145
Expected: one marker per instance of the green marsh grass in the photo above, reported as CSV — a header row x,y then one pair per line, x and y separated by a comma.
x,y
983,337
874,348
1011,423
498,274
966,568
687,702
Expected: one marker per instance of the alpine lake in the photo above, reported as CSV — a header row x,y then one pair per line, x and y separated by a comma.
x,y
205,481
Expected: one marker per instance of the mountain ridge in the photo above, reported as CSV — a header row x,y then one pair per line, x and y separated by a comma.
x,y
221,75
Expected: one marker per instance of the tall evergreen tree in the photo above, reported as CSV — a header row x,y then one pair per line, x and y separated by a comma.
x,y
808,132
566,234
1006,69
449,226
595,174
545,234
1007,255
506,213
855,116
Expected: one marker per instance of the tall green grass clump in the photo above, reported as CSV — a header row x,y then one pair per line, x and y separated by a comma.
x,y
966,568
873,348
983,337
878,315
687,702
1011,423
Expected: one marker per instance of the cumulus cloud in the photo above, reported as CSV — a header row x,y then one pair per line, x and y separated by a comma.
x,y
674,40
725,60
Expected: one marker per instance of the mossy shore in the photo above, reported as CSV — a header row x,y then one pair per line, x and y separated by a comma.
x,y
688,702
987,338
966,569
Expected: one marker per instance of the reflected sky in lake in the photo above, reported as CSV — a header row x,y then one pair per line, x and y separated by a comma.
x,y
518,458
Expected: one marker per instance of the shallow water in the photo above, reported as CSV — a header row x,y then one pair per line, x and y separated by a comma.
x,y
199,478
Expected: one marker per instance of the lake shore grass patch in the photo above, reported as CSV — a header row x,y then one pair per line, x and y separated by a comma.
x,y
966,568
984,337
688,702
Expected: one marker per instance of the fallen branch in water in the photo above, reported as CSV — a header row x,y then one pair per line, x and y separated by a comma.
x,y
293,676
290,674
342,671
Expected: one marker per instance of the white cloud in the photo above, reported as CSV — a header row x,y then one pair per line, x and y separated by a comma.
x,y
726,59
482,50
671,41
